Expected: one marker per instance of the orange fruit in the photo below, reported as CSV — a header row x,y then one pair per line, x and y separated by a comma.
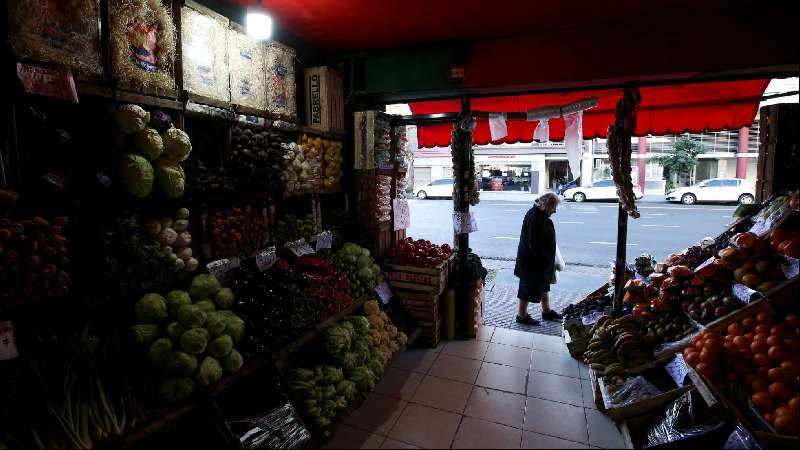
x,y
780,392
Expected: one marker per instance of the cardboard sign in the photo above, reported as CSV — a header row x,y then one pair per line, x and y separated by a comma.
x,y
221,267
592,318
402,214
464,222
300,248
322,240
384,292
8,346
743,293
791,267
677,369
56,83
266,259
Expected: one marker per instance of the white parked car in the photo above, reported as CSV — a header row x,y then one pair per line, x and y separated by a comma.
x,y
714,190
437,188
599,190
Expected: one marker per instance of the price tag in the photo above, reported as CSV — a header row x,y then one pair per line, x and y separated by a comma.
x,y
706,263
677,369
402,214
592,318
464,222
383,292
791,267
56,83
300,248
8,346
322,240
221,267
743,293
265,259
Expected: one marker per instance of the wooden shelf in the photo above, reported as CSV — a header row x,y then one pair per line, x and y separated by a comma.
x,y
168,101
334,135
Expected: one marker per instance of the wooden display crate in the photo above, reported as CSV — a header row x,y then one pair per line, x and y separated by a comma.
x,y
425,308
429,280
324,99
600,392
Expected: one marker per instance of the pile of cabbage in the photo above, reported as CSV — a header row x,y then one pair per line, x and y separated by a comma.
x,y
362,272
152,151
324,392
189,337
175,239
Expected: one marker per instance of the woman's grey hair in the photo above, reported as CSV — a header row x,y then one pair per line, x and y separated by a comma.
x,y
548,201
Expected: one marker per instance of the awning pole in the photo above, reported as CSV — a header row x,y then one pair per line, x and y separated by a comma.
x,y
462,239
619,268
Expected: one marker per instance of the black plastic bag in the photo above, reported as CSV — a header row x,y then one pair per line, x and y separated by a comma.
x,y
741,438
679,424
277,428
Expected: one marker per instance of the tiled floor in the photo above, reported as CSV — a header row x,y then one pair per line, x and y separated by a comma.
x,y
507,389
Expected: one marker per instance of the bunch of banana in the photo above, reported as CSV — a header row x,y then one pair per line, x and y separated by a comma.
x,y
616,345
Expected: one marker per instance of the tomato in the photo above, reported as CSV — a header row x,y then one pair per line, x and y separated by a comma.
x,y
761,337
760,385
792,320
706,370
762,360
786,424
729,337
688,351
731,349
742,368
736,329
745,354
713,345
692,359
695,338
794,403
763,372
780,392
778,374
762,329
749,323
765,318
763,402
777,353
742,342
769,417
790,367
791,344
750,335
781,410
777,330
708,357
774,340
759,347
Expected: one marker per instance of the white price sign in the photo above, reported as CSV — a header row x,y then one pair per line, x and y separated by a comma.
x,y
221,267
323,240
384,292
8,346
300,248
265,259
677,369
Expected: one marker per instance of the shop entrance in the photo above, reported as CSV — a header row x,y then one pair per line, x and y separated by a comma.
x,y
558,173
506,177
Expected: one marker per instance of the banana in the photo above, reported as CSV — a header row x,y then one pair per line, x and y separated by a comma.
x,y
599,368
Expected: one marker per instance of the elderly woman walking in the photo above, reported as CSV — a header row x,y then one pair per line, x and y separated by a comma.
x,y
536,259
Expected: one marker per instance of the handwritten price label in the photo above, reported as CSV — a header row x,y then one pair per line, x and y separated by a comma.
x,y
8,346
384,292
677,369
221,268
592,318
743,293
300,248
791,267
323,240
266,259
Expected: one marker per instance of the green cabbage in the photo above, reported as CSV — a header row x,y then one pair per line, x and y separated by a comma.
x,y
332,375
174,331
402,339
149,143
234,327
176,299
194,341
177,144
359,323
181,364
174,390
210,371
337,338
144,334
206,305
204,286
347,389
131,118
150,308
220,347
233,362
224,298
160,352
191,316
349,360
376,366
363,349
215,324
302,374
137,175
364,378
171,178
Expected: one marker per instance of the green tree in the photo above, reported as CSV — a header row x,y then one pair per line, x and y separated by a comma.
x,y
681,161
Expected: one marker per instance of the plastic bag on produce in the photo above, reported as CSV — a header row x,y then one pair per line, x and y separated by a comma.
x,y
634,390
680,422
277,428
741,438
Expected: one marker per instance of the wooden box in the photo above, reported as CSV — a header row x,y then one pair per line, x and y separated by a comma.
x,y
280,81
246,62
324,99
428,280
204,44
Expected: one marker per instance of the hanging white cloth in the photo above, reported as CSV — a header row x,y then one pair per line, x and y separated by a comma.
x,y
573,136
497,126
558,265
542,131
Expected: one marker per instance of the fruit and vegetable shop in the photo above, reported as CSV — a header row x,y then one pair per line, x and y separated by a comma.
x,y
204,215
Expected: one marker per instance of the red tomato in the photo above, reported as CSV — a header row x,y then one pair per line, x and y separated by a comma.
x,y
742,342
790,367
750,335
765,318
792,320
749,323
760,385
787,424
769,417
708,357
729,337
706,370
759,347
778,374
763,402
794,402
777,330
731,349
774,340
713,345
762,360
688,351
736,329
762,329
692,359
780,392
763,372
777,353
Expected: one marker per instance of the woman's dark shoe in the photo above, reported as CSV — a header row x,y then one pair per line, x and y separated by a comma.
x,y
551,315
527,320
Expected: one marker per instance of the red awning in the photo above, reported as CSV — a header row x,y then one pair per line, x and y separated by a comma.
x,y
671,109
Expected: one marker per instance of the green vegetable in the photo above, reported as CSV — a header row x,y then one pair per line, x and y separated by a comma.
x,y
402,339
176,299
174,331
210,371
364,378
131,118
234,327
215,324
194,341
176,389
233,362
149,143
177,145
363,348
171,178
349,360
181,364
359,323
347,389
220,347
376,366
329,392
337,338
204,286
332,375
160,352
145,334
191,317
341,403
206,305
303,374
150,308
136,173
224,298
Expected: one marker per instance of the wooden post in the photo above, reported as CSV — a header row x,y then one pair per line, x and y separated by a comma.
x,y
622,242
462,239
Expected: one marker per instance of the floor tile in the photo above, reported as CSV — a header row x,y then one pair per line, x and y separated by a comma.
x,y
587,394
557,388
415,360
603,431
456,368
399,383
555,419
466,349
503,378
443,394
513,337
378,414
474,433
583,368
508,355
553,344
438,348
555,363
536,440
496,406
485,333
426,427
348,437
391,443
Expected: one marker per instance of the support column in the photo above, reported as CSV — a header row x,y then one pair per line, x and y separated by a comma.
x,y
642,162
741,153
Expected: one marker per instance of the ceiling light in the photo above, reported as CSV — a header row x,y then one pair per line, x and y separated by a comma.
x,y
259,23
